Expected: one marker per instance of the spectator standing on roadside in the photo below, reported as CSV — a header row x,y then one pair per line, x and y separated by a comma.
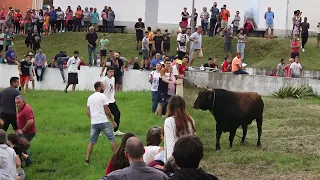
x,y
241,44
104,42
158,42
225,14
86,19
295,47
296,68
73,68
8,105
185,16
145,52
111,18
119,70
100,116
69,19
78,20
139,27
183,40
204,20
197,48
195,18
269,16
304,32
228,36
104,16
53,20
150,36
94,18
280,69
166,42
92,37
36,40
154,80
236,23
60,20
213,20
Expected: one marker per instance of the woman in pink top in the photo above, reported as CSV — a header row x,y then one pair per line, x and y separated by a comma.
x,y
69,18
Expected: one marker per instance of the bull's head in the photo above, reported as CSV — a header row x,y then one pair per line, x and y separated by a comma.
x,y
203,100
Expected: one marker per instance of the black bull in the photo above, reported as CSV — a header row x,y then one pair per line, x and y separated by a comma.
x,y
231,110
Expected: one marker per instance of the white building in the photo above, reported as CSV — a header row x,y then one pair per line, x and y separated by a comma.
x,y
167,13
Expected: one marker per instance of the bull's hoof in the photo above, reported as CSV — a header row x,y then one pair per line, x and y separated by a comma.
x,y
242,142
259,145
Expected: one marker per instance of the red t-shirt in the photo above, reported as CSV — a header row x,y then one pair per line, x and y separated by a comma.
x,y
3,15
225,66
296,49
23,116
182,68
108,169
287,70
17,17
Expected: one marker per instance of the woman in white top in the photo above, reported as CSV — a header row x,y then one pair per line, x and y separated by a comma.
x,y
154,80
241,44
177,124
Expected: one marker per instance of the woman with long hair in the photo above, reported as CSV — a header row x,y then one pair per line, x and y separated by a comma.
x,y
177,124
19,145
118,159
241,44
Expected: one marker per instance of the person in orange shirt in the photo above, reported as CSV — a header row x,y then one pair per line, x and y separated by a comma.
x,y
150,36
225,14
78,15
46,24
237,65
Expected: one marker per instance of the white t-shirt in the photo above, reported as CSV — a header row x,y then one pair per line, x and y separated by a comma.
x,y
73,64
198,37
96,103
175,70
183,40
155,80
1,37
150,153
109,91
296,68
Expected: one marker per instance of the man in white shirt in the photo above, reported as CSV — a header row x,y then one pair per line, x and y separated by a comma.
x,y
296,68
97,111
196,39
182,40
73,68
7,159
109,84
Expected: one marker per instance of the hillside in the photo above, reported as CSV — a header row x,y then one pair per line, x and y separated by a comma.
x,y
259,52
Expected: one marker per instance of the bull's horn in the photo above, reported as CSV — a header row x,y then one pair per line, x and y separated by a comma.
x,y
199,87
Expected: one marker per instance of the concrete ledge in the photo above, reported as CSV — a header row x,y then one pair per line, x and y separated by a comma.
x,y
263,85
133,80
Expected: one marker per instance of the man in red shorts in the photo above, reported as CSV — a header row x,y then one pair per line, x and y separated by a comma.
x,y
25,68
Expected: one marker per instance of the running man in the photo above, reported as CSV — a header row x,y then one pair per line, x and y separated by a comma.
x,y
109,90
73,67
25,67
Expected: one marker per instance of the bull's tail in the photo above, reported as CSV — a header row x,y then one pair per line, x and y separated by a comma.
x,y
259,127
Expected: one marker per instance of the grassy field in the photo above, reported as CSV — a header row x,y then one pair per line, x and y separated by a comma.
x,y
290,139
259,52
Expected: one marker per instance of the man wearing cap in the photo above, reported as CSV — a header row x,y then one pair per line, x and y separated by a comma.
x,y
7,159
175,69
11,58
73,66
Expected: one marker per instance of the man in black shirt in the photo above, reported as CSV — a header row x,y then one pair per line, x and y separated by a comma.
x,y
25,68
158,42
304,32
139,27
60,59
92,44
108,62
119,69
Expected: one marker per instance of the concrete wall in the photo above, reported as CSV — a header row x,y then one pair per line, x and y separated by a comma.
x,y
167,13
133,80
264,85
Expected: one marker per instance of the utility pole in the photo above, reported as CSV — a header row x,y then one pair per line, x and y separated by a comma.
x,y
192,29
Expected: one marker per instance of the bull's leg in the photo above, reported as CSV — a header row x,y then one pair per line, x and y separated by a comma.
x,y
244,132
218,135
231,136
259,126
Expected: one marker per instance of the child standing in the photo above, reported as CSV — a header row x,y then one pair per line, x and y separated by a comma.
x,y
46,24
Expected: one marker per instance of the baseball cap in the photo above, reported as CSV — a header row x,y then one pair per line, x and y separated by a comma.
x,y
179,61
3,138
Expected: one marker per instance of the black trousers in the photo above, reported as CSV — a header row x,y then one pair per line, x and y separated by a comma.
x,y
60,25
17,27
116,114
213,23
70,25
304,39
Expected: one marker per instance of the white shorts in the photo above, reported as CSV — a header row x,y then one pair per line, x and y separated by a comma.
x,y
269,26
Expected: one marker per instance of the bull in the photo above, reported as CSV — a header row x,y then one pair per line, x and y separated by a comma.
x,y
231,110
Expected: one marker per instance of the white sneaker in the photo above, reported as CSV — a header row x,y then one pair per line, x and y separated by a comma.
x,y
100,134
303,50
202,68
164,116
119,133
190,68
301,47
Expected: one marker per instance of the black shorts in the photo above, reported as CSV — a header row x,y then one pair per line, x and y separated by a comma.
x,y
118,80
52,23
293,55
103,53
181,54
163,97
9,119
139,36
1,48
166,47
73,78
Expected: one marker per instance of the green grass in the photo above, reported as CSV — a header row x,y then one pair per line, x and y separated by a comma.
x,y
63,133
259,52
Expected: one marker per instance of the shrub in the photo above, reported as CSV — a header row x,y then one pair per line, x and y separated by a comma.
x,y
298,92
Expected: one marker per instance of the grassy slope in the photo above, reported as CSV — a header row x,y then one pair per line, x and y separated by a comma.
x,y
259,52
63,132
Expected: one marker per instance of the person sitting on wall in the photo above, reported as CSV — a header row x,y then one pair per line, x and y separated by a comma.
x,y
237,65
249,26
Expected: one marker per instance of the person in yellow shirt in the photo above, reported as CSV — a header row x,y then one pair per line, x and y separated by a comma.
x,y
150,37
237,65
46,21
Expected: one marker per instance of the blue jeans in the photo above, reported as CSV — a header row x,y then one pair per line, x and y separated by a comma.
x,y
60,62
111,27
97,128
240,71
28,137
43,67
94,51
22,174
240,48
204,26
155,100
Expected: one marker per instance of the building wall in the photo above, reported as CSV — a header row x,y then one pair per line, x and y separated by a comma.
x,y
20,4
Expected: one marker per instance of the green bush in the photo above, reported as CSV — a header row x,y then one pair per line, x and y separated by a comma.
x,y
298,92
